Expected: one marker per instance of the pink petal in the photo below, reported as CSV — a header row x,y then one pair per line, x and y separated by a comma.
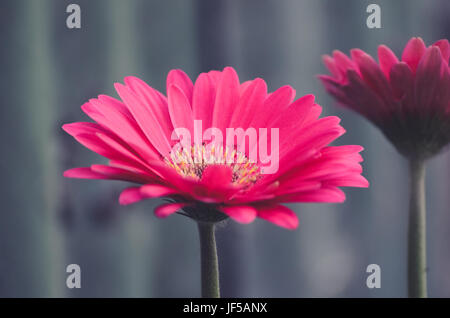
x,y
227,98
95,144
323,168
327,195
302,153
343,62
428,78
167,209
335,89
413,52
111,102
108,172
331,66
314,114
387,59
243,87
326,127
346,151
444,46
115,117
354,180
279,215
180,110
375,79
242,214
156,190
122,151
146,119
356,54
295,186
291,121
122,174
132,168
217,176
180,79
83,173
444,98
275,103
401,78
130,195
364,99
78,128
215,77
153,100
250,103
135,194
86,134
203,100
215,185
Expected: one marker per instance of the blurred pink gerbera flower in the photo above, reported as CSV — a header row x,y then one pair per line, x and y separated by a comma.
x,y
139,136
408,99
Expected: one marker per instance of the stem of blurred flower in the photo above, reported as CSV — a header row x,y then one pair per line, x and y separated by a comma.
x,y
417,258
209,261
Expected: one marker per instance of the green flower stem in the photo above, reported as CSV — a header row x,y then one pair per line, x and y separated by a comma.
x,y
417,257
209,261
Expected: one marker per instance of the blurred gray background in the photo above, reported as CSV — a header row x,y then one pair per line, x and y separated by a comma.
x,y
47,221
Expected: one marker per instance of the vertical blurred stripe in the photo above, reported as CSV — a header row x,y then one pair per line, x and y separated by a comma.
x,y
30,248
112,253
123,58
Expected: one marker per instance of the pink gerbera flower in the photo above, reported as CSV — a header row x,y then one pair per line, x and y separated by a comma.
x,y
408,99
138,137
174,147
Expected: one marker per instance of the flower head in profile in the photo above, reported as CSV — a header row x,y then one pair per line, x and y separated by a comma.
x,y
217,149
408,99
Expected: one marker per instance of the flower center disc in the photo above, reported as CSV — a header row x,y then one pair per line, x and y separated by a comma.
x,y
192,161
